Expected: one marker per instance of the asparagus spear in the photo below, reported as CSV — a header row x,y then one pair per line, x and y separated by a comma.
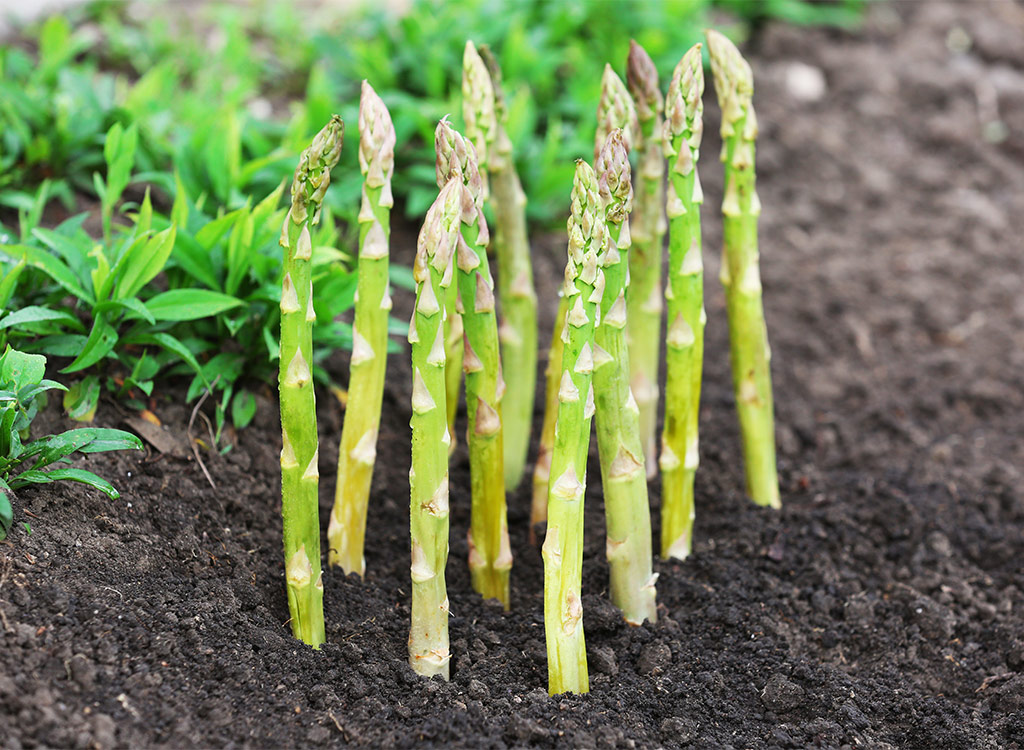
x,y
300,474
563,546
490,555
516,295
643,303
358,449
740,275
623,478
684,342
428,479
552,377
614,110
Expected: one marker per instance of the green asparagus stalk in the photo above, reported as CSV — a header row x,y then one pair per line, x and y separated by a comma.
x,y
614,110
684,341
740,275
516,296
429,654
453,333
563,545
643,303
490,555
552,377
623,478
358,450
300,474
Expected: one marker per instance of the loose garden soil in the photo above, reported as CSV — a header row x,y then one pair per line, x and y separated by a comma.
x,y
883,606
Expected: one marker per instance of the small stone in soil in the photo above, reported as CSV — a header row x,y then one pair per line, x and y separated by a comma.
x,y
781,694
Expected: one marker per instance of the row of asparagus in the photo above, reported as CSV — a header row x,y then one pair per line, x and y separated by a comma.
x,y
602,363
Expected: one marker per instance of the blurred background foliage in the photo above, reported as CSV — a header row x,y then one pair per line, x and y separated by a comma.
x,y
226,95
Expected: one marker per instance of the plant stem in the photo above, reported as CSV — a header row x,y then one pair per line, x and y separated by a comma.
x,y
516,294
684,343
740,275
644,303
623,478
299,455
358,451
490,555
429,653
563,545
552,376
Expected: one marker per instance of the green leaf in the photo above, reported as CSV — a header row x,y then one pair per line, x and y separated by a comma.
x,y
51,266
190,304
243,409
37,314
99,344
6,513
145,263
20,369
171,344
71,475
9,283
81,399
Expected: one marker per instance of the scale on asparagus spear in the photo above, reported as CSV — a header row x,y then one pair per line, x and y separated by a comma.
x,y
684,340
300,474
490,555
740,274
358,449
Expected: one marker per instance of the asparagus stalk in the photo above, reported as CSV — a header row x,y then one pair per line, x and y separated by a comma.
x,y
684,342
358,450
428,479
299,453
623,478
552,377
740,275
614,110
516,295
453,333
490,555
563,545
643,303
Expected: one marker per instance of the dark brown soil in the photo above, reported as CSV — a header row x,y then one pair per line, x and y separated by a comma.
x,y
881,608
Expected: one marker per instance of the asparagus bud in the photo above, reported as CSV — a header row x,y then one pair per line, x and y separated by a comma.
x,y
563,545
429,653
618,439
684,344
358,450
615,109
644,302
484,101
299,453
740,275
490,555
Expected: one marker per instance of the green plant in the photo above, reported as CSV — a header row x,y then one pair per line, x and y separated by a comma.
x,y
429,652
358,449
563,545
684,340
485,111
644,301
623,479
22,388
490,555
741,277
300,472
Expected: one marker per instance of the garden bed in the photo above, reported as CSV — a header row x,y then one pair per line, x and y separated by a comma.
x,y
881,608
